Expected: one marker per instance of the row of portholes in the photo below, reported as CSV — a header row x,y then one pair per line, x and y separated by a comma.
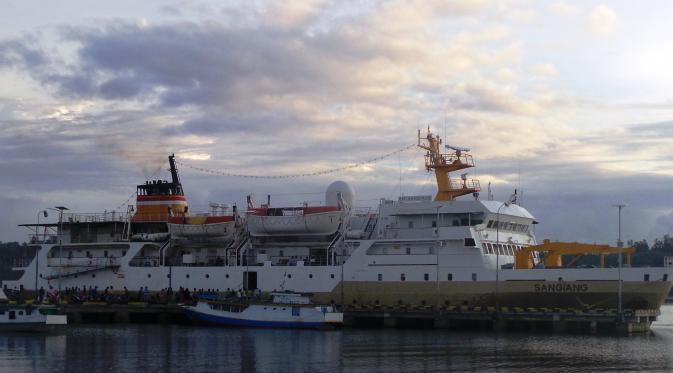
x,y
310,275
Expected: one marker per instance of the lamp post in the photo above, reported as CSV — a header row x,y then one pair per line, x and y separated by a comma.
x,y
509,201
439,244
620,244
60,210
37,250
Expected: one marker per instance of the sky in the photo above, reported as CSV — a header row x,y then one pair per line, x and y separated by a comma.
x,y
569,102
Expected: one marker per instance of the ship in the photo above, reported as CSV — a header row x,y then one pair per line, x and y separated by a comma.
x,y
451,249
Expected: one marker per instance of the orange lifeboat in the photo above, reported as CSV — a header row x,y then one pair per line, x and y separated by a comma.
x,y
293,221
202,226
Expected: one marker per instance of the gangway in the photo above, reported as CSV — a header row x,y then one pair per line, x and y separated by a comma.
x,y
371,224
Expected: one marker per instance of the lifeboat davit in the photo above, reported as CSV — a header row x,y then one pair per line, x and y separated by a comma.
x,y
202,226
293,221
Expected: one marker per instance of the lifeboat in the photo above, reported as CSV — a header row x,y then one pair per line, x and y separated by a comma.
x,y
202,226
292,221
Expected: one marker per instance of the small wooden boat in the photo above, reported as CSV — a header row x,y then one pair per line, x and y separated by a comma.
x,y
29,318
286,310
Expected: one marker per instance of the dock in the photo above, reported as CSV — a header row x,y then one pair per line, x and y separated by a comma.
x,y
451,317
507,319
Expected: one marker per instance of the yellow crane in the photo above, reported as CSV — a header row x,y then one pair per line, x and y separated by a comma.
x,y
555,250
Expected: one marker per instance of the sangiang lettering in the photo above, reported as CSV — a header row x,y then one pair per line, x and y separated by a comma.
x,y
560,287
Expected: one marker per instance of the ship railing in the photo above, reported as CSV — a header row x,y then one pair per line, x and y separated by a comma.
x,y
464,184
209,261
105,217
310,260
42,239
83,262
21,262
452,158
425,232
145,261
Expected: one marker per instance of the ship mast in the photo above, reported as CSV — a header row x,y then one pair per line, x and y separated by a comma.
x,y
442,164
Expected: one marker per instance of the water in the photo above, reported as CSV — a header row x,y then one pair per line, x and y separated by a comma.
x,y
179,348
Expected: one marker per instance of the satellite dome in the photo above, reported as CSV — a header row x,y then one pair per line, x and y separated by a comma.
x,y
347,193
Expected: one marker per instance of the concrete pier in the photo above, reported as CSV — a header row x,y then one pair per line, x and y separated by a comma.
x,y
556,321
448,317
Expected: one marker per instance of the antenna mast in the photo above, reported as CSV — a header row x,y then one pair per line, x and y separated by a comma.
x,y
455,159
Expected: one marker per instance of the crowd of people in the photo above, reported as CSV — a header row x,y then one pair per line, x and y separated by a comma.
x,y
108,295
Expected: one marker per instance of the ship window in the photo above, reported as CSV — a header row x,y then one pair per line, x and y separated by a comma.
x,y
474,277
665,276
380,277
434,224
75,276
105,253
408,251
149,275
310,275
226,276
207,275
123,252
411,224
449,277
332,275
168,275
426,277
295,311
281,253
484,248
289,275
490,224
12,315
647,277
469,242
187,275
403,277
20,313
93,275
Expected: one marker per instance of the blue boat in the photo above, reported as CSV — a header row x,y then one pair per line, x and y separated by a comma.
x,y
284,311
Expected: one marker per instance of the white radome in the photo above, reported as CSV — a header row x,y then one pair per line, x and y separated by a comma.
x,y
347,193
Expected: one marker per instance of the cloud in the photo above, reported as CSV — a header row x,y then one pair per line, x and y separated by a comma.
x,y
563,9
603,20
302,87
544,70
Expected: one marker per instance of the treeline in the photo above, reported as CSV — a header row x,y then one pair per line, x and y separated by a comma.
x,y
12,253
646,255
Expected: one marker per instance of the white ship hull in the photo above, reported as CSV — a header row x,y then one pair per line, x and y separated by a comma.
x,y
449,277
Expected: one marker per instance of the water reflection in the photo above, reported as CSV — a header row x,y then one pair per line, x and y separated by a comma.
x,y
177,348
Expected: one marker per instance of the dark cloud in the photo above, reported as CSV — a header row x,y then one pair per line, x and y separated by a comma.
x,y
22,53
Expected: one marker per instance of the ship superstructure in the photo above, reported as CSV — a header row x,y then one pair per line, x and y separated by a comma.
x,y
416,250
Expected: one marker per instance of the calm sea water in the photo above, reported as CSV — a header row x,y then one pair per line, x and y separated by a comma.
x,y
179,348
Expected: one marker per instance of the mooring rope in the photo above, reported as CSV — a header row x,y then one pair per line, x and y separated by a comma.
x,y
306,174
